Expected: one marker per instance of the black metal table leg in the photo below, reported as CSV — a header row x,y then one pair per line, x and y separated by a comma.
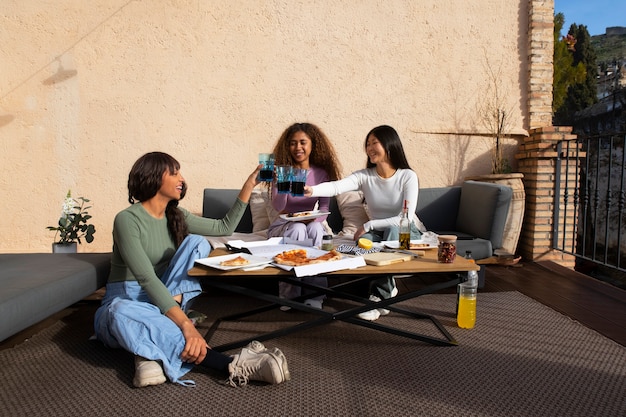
x,y
347,315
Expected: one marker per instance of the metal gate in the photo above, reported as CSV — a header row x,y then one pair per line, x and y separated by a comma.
x,y
592,196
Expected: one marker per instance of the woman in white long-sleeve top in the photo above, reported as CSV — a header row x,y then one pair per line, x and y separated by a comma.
x,y
386,183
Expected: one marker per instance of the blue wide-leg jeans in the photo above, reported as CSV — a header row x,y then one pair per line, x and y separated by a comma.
x,y
127,319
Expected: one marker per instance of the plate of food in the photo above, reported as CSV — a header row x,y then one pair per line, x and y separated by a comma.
x,y
233,261
414,245
303,215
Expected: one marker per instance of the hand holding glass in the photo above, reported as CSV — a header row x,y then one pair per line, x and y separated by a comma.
x,y
267,171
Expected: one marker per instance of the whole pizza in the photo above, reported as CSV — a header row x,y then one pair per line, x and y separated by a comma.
x,y
299,257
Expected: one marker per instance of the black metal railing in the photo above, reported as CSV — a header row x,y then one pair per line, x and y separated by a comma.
x,y
590,200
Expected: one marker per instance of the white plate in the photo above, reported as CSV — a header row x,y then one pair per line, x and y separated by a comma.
x,y
312,214
394,244
214,261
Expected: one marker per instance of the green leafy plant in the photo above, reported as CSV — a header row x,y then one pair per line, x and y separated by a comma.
x,y
73,224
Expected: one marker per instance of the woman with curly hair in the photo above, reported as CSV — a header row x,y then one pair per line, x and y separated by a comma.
x,y
148,292
303,145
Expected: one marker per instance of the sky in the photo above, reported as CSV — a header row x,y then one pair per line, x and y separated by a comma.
x,y
597,15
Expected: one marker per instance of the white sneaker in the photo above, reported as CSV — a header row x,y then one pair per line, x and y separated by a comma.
x,y
147,372
258,347
384,311
369,315
256,363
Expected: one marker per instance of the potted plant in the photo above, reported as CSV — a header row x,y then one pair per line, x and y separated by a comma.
x,y
495,114
73,225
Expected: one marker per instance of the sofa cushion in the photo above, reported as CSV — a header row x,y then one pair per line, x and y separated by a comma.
x,y
34,286
483,208
217,202
259,208
437,208
352,211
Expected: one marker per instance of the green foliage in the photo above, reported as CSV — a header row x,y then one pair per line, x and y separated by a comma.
x,y
73,223
579,93
609,48
565,72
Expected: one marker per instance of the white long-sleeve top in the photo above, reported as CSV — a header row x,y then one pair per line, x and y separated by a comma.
x,y
384,196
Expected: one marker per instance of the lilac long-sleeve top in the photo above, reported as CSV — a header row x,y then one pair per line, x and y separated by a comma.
x,y
286,203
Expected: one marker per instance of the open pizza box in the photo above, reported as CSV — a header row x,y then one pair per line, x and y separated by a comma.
x,y
346,262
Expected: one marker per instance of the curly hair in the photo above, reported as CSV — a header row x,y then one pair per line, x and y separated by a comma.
x,y
145,180
390,140
322,150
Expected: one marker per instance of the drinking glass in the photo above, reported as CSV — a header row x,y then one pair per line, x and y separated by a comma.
x,y
298,179
283,179
267,171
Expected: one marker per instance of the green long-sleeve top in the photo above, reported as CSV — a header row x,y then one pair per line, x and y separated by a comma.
x,y
143,247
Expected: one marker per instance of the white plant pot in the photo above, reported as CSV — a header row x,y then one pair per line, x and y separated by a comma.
x,y
65,247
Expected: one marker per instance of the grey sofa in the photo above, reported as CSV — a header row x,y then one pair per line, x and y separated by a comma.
x,y
34,286
474,211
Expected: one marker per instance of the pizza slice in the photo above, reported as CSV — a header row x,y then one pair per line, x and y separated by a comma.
x,y
300,214
238,261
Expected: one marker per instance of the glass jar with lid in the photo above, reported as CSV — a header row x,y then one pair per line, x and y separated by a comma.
x,y
327,242
446,251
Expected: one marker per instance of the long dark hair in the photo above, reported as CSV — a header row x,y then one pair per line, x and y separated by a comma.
x,y
145,180
389,139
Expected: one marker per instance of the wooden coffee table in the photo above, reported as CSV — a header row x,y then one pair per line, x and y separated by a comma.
x,y
403,270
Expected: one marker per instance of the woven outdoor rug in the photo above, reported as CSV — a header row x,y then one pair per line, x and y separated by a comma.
x,y
521,359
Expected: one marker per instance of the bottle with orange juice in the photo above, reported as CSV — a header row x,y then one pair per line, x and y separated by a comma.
x,y
466,298
466,316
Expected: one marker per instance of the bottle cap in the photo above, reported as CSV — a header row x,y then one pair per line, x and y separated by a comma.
x,y
447,238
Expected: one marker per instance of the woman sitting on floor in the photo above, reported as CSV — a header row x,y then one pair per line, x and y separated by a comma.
x,y
149,291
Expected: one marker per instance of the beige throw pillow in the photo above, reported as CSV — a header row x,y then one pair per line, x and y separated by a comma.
x,y
352,211
259,208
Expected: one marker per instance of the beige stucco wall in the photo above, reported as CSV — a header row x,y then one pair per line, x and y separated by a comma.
x,y
89,86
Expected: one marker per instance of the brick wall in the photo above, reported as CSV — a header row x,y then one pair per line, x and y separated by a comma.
x,y
537,160
537,156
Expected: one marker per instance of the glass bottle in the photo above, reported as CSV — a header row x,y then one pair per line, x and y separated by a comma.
x,y
469,277
466,317
327,242
405,227
466,301
472,276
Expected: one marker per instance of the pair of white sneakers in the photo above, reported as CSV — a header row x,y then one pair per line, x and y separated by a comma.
x,y
374,314
254,363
